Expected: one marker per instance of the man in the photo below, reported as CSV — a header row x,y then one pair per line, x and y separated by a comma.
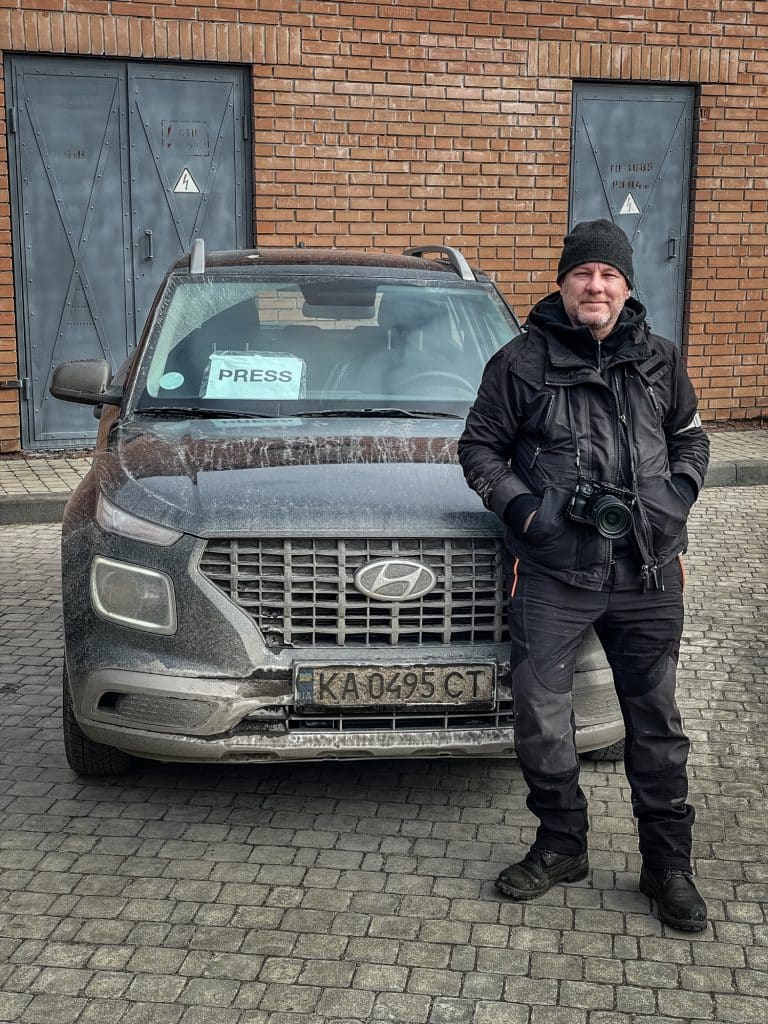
x,y
585,440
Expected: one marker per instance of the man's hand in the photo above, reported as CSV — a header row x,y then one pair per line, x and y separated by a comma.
x,y
685,487
529,520
520,511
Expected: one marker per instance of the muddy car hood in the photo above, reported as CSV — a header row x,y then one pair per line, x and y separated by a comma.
x,y
293,477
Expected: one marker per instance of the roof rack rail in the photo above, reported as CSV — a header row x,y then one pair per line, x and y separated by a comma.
x,y
197,257
455,258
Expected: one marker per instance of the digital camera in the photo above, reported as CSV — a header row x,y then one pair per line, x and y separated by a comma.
x,y
606,507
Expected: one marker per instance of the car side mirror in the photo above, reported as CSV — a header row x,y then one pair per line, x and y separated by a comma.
x,y
86,381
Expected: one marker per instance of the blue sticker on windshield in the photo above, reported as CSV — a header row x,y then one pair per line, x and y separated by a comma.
x,y
171,381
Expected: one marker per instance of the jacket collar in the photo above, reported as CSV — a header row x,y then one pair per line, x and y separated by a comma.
x,y
571,349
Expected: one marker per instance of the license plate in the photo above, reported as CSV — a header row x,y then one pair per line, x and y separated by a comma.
x,y
369,686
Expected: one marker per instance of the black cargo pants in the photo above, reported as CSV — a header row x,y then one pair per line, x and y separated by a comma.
x,y
640,632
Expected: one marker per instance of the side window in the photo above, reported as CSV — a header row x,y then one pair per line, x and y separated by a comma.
x,y
484,328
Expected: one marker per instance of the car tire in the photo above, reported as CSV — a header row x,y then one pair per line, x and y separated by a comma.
x,y
613,752
594,697
85,756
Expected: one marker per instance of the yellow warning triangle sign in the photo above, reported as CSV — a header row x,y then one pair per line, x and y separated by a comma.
x,y
630,206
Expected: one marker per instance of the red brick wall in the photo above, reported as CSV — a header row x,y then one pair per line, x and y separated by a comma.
x,y
377,125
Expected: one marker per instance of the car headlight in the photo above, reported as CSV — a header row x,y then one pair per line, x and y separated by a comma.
x,y
115,520
133,595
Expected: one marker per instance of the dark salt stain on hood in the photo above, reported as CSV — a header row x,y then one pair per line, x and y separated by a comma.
x,y
292,477
166,451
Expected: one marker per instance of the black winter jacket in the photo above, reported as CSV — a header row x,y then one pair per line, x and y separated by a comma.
x,y
555,406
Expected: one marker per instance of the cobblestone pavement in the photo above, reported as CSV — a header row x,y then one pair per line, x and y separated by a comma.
x,y
355,893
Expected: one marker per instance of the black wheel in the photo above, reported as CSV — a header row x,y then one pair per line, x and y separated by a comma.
x,y
613,752
84,755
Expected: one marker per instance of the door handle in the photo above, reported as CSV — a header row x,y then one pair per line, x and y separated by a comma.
x,y
150,244
671,249
16,384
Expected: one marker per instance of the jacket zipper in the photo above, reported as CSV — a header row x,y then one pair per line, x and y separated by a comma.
x,y
612,384
621,421
649,572
654,403
537,452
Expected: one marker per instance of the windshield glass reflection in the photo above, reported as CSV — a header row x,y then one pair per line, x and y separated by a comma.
x,y
323,343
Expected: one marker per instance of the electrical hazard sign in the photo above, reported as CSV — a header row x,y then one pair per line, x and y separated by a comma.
x,y
186,183
630,206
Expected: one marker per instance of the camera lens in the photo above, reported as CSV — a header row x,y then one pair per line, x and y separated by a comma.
x,y
611,517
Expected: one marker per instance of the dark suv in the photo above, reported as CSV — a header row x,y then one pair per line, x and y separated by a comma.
x,y
275,555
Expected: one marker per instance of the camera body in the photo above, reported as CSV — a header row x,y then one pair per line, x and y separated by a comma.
x,y
605,506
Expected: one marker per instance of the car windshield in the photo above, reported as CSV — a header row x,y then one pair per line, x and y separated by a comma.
x,y
309,344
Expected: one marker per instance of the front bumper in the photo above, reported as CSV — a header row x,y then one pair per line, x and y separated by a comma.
x,y
178,718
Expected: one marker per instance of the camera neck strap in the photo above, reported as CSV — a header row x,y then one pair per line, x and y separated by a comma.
x,y
641,528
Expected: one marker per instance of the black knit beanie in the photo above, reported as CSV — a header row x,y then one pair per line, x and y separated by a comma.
x,y
596,241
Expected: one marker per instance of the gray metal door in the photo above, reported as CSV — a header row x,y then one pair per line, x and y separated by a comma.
x,y
631,164
188,134
68,164
99,211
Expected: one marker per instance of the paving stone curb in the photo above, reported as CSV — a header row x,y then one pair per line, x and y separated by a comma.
x,y
32,508
749,473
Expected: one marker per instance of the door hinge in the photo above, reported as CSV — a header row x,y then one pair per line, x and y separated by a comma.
x,y
16,384
244,121
11,120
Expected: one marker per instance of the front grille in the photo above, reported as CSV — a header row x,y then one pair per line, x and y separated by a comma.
x,y
416,719
300,593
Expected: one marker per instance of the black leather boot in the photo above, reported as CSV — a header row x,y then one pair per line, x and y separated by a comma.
x,y
677,899
538,871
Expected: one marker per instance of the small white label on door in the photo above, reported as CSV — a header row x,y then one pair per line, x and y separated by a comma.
x,y
630,206
186,183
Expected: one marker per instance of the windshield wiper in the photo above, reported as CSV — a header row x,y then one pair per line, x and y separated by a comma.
x,y
203,412
416,414
207,412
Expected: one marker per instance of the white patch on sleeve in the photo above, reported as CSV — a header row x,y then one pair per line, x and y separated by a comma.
x,y
695,422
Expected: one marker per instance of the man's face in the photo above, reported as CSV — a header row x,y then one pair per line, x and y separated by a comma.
x,y
594,295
